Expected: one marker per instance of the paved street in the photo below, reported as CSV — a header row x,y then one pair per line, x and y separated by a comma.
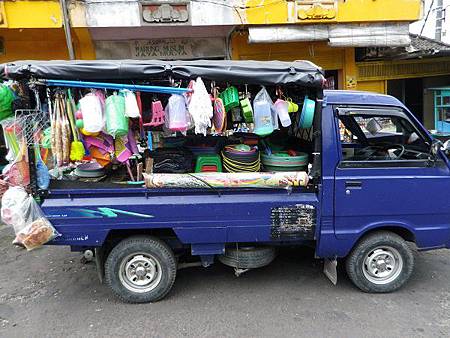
x,y
49,292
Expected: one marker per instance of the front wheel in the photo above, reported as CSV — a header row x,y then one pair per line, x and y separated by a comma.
x,y
140,269
380,262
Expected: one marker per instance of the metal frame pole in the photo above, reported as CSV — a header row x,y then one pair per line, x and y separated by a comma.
x,y
67,29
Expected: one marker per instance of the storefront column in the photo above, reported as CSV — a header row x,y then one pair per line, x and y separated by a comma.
x,y
350,69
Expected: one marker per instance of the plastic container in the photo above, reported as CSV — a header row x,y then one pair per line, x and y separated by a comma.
x,y
247,110
116,121
263,118
282,107
177,114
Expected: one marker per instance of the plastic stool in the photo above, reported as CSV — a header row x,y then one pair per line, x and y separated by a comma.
x,y
208,160
158,117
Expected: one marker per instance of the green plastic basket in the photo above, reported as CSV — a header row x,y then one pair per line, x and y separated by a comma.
x,y
230,98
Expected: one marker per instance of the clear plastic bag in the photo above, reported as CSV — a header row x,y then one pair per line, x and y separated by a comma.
x,y
131,106
18,172
263,111
92,111
116,121
11,210
31,227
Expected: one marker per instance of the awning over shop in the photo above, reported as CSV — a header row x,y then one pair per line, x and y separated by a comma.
x,y
250,72
337,35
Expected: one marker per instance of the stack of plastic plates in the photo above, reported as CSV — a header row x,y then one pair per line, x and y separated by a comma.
x,y
89,170
241,158
285,161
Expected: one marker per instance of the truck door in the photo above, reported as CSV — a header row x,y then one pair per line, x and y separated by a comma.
x,y
385,177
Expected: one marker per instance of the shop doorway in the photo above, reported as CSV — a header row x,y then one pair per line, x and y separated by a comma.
x,y
332,77
410,92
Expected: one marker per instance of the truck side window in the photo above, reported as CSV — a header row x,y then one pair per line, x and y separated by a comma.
x,y
378,136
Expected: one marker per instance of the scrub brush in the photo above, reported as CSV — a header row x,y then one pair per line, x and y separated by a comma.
x,y
76,147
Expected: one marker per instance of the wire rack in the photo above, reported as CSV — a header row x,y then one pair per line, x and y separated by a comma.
x,y
27,124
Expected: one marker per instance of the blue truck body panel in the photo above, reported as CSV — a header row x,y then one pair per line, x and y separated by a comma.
x,y
84,218
410,199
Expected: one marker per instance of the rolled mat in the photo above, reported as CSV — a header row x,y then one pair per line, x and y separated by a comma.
x,y
227,180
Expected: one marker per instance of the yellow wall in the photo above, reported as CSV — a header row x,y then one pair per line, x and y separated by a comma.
x,y
44,44
32,14
33,30
279,12
378,86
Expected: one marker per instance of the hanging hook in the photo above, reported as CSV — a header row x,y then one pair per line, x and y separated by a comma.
x,y
213,89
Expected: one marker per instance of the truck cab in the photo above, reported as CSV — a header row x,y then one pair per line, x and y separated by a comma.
x,y
380,166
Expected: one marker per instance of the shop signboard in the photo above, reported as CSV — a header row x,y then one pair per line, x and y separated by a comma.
x,y
164,49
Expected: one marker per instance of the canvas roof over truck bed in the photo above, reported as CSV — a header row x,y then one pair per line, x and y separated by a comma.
x,y
302,73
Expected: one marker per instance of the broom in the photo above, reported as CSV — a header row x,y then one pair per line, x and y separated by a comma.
x,y
76,147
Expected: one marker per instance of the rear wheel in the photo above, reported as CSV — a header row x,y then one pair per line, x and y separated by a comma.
x,y
380,262
140,269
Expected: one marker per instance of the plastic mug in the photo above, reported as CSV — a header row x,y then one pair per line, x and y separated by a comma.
x,y
292,107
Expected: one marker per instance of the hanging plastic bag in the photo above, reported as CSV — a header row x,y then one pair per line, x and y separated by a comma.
x,y
37,230
22,212
42,175
11,211
18,172
92,112
263,113
6,100
116,121
200,107
131,105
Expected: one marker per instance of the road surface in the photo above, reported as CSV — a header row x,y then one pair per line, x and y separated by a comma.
x,y
50,293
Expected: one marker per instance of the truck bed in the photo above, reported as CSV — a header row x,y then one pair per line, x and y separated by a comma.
x,y
84,217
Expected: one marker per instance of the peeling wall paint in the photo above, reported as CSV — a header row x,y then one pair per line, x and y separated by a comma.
x,y
125,13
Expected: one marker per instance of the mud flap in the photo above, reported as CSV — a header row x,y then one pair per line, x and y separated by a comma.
x,y
329,269
99,255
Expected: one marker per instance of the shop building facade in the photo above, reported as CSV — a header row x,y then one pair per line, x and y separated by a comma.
x,y
329,33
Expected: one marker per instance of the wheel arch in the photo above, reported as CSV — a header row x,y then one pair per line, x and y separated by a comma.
x,y
401,230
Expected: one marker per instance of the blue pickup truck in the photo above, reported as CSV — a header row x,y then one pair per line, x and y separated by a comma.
x,y
378,190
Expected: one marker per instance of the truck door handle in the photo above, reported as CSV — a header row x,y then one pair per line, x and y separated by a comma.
x,y
353,184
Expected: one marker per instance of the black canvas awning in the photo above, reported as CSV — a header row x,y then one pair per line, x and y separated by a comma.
x,y
238,72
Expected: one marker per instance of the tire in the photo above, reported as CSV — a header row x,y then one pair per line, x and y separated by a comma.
x,y
381,262
248,257
140,269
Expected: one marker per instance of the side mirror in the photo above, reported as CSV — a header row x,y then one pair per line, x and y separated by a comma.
x,y
437,145
446,147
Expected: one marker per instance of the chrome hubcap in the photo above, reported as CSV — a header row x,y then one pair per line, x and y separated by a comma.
x,y
140,272
382,265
